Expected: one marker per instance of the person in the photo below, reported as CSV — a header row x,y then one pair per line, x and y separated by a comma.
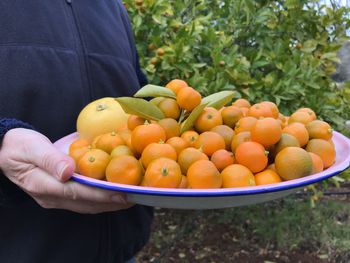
x,y
56,57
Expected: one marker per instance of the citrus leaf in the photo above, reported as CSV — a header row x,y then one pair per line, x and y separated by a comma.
x,y
219,99
188,123
141,108
154,91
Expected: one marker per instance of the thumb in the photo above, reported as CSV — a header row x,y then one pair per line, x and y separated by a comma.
x,y
52,161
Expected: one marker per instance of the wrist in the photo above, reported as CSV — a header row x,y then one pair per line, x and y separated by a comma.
x,y
7,124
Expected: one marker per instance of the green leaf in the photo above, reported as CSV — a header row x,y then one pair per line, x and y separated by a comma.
x,y
219,99
309,46
154,91
140,107
188,123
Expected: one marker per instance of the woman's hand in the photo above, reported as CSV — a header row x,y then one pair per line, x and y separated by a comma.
x,y
30,161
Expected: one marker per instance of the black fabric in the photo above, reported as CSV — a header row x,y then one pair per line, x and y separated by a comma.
x,y
55,57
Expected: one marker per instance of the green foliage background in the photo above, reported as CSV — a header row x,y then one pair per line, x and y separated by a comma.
x,y
283,51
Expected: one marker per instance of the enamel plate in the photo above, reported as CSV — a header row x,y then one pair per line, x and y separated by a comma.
x,y
215,198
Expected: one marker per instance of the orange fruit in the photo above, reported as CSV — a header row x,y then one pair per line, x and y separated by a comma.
x,y
207,120
144,135
157,100
163,173
323,149
231,115
309,111
319,130
203,174
286,140
178,143
273,107
239,139
78,148
293,162
188,98
134,121
121,150
241,103
271,167
124,170
108,141
183,183
176,84
266,131
188,157
267,177
170,108
317,163
300,116
252,155
93,163
237,175
171,127
99,117
157,150
259,110
299,131
226,132
222,158
245,124
244,111
209,142
190,137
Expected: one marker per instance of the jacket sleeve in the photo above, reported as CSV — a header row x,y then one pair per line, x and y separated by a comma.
x,y
7,124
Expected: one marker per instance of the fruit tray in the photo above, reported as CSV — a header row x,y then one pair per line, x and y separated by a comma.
x,y
215,198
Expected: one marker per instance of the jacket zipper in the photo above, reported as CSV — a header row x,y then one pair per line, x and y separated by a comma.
x,y
80,49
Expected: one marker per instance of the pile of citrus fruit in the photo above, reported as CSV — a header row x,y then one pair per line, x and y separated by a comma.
x,y
177,139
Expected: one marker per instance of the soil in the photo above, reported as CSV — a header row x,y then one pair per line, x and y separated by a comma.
x,y
196,236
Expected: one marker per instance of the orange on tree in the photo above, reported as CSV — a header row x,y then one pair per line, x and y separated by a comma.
x,y
245,124
231,115
124,170
210,142
145,134
190,137
188,98
176,84
324,149
317,163
108,141
134,121
241,103
163,173
222,158
318,129
266,131
239,139
178,143
299,131
300,116
226,132
208,119
121,150
93,163
237,175
99,117
78,148
157,150
252,155
259,110
170,108
203,174
170,126
188,157
273,107
309,111
293,163
267,177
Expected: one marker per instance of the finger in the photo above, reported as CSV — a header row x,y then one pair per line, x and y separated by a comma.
x,y
51,160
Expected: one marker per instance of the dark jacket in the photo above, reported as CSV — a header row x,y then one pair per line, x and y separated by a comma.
x,y
55,57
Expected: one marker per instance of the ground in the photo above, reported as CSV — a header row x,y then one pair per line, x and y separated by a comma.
x,y
287,230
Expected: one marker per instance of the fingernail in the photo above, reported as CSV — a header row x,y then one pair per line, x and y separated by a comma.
x,y
61,167
118,199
